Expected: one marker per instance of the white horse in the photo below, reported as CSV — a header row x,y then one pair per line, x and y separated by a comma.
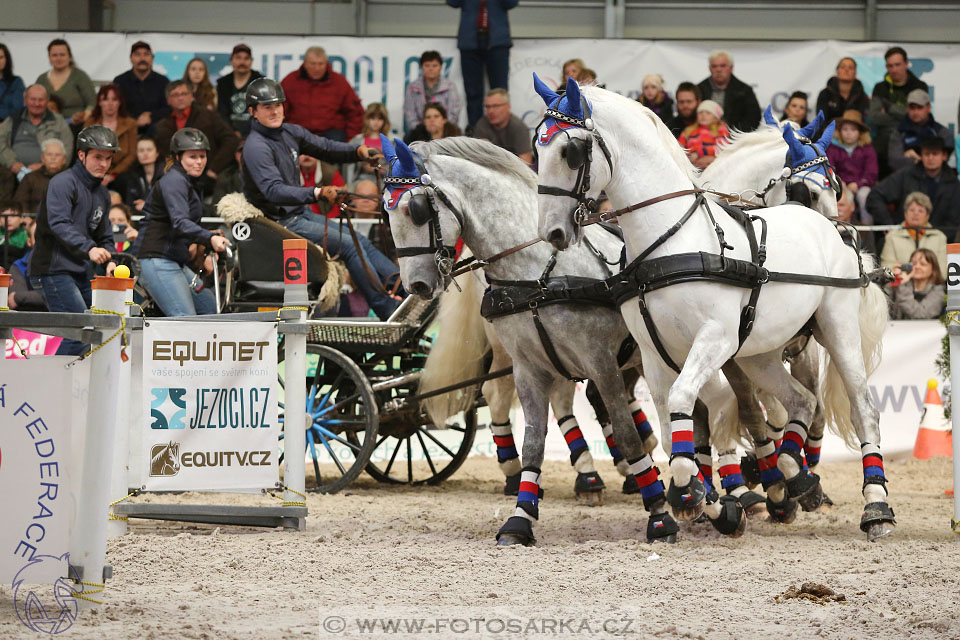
x,y
599,140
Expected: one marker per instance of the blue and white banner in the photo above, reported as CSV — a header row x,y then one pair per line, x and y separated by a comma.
x,y
209,406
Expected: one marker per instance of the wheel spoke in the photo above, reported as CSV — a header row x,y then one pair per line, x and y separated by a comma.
x,y
336,460
409,462
332,436
338,406
333,387
393,457
456,427
433,470
437,442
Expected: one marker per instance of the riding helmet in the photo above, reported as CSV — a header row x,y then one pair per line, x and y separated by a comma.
x,y
264,91
97,137
189,139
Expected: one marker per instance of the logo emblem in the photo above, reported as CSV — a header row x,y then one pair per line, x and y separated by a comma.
x,y
165,460
240,231
49,609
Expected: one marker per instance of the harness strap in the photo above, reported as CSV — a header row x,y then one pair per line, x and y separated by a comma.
x,y
652,330
548,347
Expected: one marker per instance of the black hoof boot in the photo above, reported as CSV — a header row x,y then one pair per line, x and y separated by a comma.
x,y
712,496
753,503
783,512
732,520
877,521
750,470
630,485
805,489
589,488
687,502
661,527
516,530
511,486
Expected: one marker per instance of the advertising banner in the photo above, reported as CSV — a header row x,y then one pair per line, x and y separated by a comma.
x,y
209,405
27,343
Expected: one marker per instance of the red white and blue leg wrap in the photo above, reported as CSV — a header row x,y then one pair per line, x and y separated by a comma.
x,y
705,462
794,438
614,451
730,474
640,420
767,461
811,451
872,465
528,496
775,434
580,456
507,455
681,441
648,479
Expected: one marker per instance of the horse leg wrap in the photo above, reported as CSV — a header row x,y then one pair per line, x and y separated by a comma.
x,y
645,478
750,469
873,466
783,512
704,457
767,462
518,530
528,497
614,451
580,456
876,513
805,486
681,430
811,451
644,429
794,437
732,519
775,434
731,477
661,527
507,456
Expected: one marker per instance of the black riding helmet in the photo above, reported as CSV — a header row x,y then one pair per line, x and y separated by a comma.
x,y
97,137
189,139
264,91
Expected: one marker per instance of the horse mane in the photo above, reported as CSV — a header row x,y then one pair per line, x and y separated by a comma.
x,y
756,141
480,152
677,153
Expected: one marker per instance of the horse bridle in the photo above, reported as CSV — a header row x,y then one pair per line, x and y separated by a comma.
x,y
804,168
579,155
423,210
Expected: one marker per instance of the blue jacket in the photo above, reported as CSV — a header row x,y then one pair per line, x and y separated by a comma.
x,y
497,18
148,94
11,97
271,173
72,219
172,218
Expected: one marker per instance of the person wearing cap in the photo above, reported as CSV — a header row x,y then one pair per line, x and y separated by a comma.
x,y
171,225
232,90
73,229
931,176
23,133
321,100
918,125
853,158
271,183
888,105
701,138
143,88
653,97
735,96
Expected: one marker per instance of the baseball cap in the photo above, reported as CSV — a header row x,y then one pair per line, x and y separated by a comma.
x,y
241,48
140,44
919,97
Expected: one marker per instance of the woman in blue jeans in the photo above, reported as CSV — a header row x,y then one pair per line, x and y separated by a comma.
x,y
172,223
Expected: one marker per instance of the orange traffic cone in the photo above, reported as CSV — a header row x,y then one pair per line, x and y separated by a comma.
x,y
934,437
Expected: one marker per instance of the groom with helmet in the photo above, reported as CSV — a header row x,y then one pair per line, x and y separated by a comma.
x,y
271,183
73,228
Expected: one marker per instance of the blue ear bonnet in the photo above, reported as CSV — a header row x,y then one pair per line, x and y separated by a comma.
x,y
570,103
404,173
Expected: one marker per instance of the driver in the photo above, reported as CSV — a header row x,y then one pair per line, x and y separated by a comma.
x,y
271,182
171,224
73,228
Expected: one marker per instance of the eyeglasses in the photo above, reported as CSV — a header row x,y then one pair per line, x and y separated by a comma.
x,y
179,94
495,106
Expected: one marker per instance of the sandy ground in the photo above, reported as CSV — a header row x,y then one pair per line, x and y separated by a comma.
x,y
375,552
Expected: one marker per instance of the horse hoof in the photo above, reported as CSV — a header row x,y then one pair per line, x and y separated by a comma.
x,y
826,505
750,470
687,502
879,530
516,530
783,512
513,539
630,485
805,489
511,485
591,498
661,527
877,521
753,504
587,483
732,520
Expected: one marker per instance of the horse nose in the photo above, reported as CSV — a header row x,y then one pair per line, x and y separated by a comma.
x,y
558,239
420,288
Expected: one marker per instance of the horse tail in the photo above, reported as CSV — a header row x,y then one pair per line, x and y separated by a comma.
x,y
873,317
457,353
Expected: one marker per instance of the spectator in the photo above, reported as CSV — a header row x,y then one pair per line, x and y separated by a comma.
x,y
701,139
484,42
172,224
930,176
124,232
55,104
888,107
653,97
232,90
796,109
734,96
904,147
688,99
69,83
33,187
502,128
376,120
198,79
8,185
11,86
843,92
434,126
588,78
314,173
22,133
918,294
430,88
853,158
143,88
916,234
21,296
571,69
115,197
321,100
73,229
111,112
846,212
136,183
13,235
220,137
230,179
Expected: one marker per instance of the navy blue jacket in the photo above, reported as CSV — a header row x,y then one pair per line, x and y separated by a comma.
x,y
148,94
497,19
172,218
271,173
72,219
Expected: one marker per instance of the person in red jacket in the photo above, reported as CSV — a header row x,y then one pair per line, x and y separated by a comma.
x,y
321,100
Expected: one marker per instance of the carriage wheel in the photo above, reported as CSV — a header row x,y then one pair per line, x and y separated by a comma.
x,y
426,456
342,411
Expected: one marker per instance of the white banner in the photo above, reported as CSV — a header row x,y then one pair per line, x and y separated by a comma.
x,y
38,506
380,68
210,406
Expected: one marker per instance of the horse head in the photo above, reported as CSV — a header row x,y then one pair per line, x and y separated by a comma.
x,y
810,169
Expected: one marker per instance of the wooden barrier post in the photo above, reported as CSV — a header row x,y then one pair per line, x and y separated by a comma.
x,y
295,368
